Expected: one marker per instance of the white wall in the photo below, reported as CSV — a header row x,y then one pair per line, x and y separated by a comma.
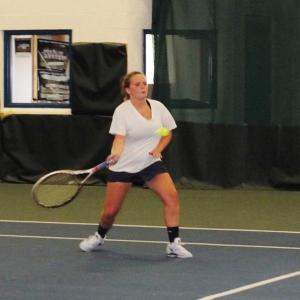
x,y
120,21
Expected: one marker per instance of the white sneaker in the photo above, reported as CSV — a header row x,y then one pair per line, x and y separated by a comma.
x,y
176,249
91,243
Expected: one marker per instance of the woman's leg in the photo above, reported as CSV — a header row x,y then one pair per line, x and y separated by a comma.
x,y
114,198
163,185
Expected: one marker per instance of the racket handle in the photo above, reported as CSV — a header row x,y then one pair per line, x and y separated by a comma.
x,y
101,166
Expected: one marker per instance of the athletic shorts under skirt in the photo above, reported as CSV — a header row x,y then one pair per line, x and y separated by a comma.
x,y
144,175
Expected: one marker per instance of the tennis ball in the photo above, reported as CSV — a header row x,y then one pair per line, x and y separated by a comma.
x,y
163,131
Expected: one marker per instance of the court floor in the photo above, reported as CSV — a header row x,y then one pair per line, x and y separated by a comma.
x,y
41,260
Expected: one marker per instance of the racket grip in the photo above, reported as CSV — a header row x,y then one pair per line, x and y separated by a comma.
x,y
101,166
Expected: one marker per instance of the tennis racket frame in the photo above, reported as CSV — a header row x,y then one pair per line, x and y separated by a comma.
x,y
81,183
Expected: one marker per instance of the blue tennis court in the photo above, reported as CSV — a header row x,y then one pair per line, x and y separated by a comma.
x,y
42,259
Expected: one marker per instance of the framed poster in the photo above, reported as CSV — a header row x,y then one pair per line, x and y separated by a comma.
x,y
23,45
51,71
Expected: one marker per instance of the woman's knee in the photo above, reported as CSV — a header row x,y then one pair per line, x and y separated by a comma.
x,y
171,196
171,200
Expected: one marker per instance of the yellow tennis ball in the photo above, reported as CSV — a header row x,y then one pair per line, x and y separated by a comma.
x,y
163,131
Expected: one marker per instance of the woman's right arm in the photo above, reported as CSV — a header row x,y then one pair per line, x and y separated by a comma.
x,y
116,149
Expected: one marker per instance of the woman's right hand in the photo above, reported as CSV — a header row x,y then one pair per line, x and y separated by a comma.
x,y
116,150
113,158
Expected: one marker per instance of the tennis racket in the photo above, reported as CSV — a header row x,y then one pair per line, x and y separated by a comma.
x,y
60,187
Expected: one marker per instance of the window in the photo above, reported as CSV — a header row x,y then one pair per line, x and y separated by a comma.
x,y
191,67
37,68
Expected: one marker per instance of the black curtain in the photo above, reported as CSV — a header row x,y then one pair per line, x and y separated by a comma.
x,y
33,145
200,155
96,72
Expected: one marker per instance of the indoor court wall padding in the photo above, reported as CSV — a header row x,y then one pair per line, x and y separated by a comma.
x,y
218,155
37,144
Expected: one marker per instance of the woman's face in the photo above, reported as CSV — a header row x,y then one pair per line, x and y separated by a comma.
x,y
138,88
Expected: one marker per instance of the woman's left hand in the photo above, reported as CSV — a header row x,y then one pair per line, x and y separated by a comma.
x,y
155,153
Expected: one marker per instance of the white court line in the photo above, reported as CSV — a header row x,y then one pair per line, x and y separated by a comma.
x,y
244,246
151,242
76,238
250,286
151,226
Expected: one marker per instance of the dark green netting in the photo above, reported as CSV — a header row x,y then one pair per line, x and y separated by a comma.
x,y
233,67
257,70
184,39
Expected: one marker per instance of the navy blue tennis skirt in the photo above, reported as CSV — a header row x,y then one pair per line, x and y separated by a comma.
x,y
142,176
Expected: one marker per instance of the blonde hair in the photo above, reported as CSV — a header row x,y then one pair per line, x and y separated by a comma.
x,y
125,83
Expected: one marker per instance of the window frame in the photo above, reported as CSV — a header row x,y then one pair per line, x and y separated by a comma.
x,y
211,37
8,101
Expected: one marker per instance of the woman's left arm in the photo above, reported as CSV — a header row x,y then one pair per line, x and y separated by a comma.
x,y
163,143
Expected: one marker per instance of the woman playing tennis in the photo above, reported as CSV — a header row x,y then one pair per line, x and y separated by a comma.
x,y
136,154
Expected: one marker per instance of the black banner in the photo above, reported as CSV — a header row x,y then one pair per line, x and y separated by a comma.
x,y
96,72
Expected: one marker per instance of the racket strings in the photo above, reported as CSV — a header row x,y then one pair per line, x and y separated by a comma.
x,y
57,189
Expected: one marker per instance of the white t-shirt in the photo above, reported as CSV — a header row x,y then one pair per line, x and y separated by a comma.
x,y
140,135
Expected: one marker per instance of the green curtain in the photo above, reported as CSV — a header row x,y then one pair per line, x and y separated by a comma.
x,y
257,59
248,131
183,48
